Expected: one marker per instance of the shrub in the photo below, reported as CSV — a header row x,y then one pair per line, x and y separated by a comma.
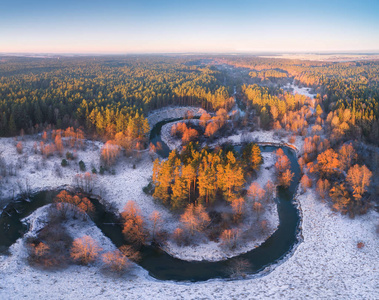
x,y
179,236
238,268
82,166
94,171
85,182
57,170
64,163
148,189
69,155
131,253
19,147
116,261
229,237
102,170
85,250
109,153
134,227
49,248
292,139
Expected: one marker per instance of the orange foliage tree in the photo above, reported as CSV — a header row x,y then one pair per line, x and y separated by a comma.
x,y
134,227
328,163
195,218
116,261
347,155
286,178
238,206
323,187
255,192
305,182
340,197
109,153
65,203
85,250
157,223
358,178
229,237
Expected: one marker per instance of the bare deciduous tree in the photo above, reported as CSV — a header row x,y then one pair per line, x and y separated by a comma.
x,y
229,237
116,261
195,218
85,250
358,178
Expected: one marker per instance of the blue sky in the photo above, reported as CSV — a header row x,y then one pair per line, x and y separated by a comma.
x,y
112,26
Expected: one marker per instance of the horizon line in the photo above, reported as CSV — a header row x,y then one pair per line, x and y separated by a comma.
x,y
252,52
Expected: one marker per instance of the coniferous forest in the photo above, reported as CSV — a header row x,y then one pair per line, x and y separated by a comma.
x,y
103,95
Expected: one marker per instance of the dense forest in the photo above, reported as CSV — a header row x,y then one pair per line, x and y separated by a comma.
x,y
336,125
201,175
340,85
104,95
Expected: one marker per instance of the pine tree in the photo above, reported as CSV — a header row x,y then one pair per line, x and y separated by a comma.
x,y
12,129
256,157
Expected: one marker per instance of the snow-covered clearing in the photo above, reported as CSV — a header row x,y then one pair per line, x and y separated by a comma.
x,y
300,90
125,185
168,139
172,113
258,136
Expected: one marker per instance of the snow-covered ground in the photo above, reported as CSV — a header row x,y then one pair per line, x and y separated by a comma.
x,y
262,137
258,136
168,139
326,265
300,90
125,185
76,228
39,173
165,113
118,189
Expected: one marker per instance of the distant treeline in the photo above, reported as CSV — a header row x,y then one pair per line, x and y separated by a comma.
x,y
352,86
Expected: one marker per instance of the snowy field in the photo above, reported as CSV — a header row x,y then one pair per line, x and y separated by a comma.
x,y
172,113
305,91
326,57
326,265
125,185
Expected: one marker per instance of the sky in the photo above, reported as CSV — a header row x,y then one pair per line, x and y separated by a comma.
x,y
187,26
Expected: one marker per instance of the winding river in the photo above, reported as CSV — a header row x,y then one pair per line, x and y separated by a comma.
x,y
160,264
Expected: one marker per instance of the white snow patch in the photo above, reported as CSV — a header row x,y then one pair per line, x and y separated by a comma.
x,y
165,113
305,91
